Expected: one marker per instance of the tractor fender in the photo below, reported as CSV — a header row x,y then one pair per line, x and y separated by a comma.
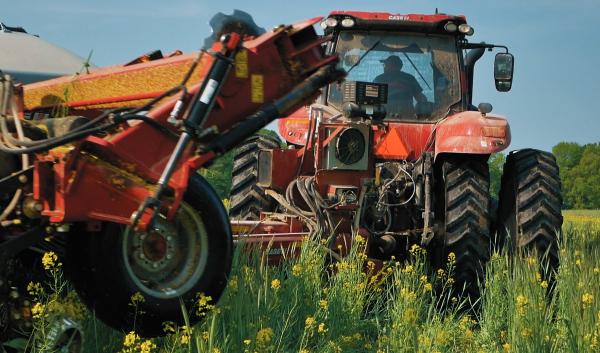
x,y
472,132
294,127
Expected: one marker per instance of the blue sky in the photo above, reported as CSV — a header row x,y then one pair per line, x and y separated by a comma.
x,y
556,46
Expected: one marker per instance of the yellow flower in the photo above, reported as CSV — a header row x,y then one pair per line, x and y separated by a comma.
x,y
186,335
544,284
296,270
323,304
423,279
408,269
596,270
359,239
506,347
137,298
34,288
38,310
147,346
526,333
441,272
275,284
184,339
587,299
50,260
247,342
428,287
205,335
451,258
216,350
203,303
322,328
522,303
309,321
168,327
264,337
233,283
130,339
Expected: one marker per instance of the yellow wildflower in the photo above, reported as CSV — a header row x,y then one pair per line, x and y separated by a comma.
x,y
296,270
130,339
203,303
264,337
587,299
322,328
216,350
506,347
451,258
323,304
137,298
50,260
276,284
423,279
596,270
34,288
147,346
168,327
233,283
38,310
428,287
205,335
247,342
186,335
526,333
309,321
522,303
544,284
184,339
441,272
408,269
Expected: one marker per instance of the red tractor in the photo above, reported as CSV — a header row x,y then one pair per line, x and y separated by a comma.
x,y
100,168
398,153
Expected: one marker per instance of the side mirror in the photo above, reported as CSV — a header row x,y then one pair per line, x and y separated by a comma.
x,y
504,65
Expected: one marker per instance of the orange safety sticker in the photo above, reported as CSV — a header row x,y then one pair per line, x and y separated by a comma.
x,y
241,64
257,84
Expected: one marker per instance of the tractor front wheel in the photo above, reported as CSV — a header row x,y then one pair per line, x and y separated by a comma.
x,y
464,186
529,212
136,281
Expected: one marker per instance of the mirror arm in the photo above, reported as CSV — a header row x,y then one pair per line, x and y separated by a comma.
x,y
483,45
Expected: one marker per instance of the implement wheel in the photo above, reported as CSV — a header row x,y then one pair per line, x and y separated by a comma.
x,y
246,198
529,212
174,261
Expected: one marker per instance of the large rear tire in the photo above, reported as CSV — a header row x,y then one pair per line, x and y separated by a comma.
x,y
529,212
466,219
177,261
247,199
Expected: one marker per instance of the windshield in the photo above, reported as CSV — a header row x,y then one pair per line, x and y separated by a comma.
x,y
421,71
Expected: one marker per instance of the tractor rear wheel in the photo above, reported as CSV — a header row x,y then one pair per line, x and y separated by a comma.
x,y
169,266
529,212
246,198
466,219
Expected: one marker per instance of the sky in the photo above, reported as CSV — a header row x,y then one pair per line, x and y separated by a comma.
x,y
556,44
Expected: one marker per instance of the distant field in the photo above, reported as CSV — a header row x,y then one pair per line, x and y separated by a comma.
x,y
582,216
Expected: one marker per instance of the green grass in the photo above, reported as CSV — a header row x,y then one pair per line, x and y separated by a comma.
x,y
309,305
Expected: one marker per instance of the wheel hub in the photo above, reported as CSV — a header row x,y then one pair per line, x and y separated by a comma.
x,y
155,249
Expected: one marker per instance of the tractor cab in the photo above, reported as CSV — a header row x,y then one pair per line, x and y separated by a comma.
x,y
413,64
410,68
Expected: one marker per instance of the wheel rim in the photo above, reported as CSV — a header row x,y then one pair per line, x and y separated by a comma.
x,y
170,259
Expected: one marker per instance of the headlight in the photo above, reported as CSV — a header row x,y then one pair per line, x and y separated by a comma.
x,y
466,29
450,27
347,22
